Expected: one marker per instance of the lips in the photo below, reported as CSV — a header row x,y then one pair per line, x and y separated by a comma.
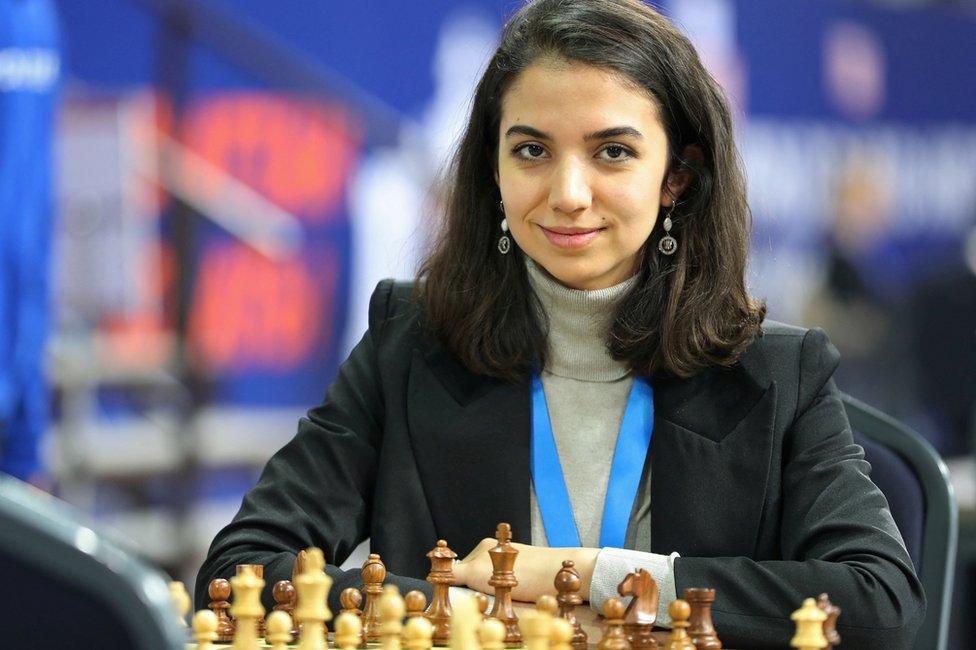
x,y
571,237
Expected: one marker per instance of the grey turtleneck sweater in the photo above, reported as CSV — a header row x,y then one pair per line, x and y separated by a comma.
x,y
586,392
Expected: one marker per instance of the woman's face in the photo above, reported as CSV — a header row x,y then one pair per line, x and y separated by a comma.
x,y
581,161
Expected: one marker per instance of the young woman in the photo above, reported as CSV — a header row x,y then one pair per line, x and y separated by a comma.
x,y
579,357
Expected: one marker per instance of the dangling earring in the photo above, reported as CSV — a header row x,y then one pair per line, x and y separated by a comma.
x,y
504,243
668,244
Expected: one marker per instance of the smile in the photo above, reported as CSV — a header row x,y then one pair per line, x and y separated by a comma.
x,y
571,237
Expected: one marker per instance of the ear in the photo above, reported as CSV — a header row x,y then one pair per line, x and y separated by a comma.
x,y
679,179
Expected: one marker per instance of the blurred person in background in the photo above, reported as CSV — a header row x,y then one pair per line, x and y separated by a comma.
x,y
29,72
942,311
852,302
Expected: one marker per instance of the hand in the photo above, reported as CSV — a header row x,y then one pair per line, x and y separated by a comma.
x,y
535,568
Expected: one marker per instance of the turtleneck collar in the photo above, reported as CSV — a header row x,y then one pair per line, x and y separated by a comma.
x,y
579,322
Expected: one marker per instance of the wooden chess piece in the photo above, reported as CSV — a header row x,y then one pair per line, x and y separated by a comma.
x,y
464,625
219,592
373,574
285,598
259,572
614,637
350,599
181,600
416,602
536,624
442,577
567,583
830,625
503,580
418,633
701,629
492,634
247,609
312,610
641,614
279,630
809,627
561,635
348,630
205,629
481,602
391,609
679,611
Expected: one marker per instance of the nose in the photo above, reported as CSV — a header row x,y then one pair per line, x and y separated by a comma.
x,y
569,190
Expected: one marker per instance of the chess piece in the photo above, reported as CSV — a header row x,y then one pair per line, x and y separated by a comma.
x,y
641,614
285,598
680,612
373,574
416,602
561,634
391,609
312,610
205,629
481,601
464,625
492,634
181,600
348,630
701,629
350,599
219,592
809,627
567,583
279,630
830,625
418,634
247,609
613,631
298,566
259,572
536,624
442,577
503,580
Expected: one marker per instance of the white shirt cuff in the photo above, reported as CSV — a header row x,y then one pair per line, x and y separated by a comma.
x,y
613,565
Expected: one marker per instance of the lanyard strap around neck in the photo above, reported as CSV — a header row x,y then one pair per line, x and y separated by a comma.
x,y
633,443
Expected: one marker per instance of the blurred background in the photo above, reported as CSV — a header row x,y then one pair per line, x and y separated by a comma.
x,y
213,189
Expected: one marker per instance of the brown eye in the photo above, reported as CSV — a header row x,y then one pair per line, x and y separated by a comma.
x,y
616,153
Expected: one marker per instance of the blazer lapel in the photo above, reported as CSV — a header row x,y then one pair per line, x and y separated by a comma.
x,y
710,458
470,436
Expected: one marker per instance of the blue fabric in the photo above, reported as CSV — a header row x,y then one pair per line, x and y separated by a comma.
x,y
29,73
633,442
903,489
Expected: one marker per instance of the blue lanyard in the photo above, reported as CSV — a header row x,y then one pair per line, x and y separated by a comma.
x,y
633,443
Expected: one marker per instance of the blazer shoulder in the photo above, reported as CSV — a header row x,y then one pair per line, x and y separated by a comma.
x,y
800,359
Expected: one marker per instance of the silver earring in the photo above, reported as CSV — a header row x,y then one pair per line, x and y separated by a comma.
x,y
668,244
504,243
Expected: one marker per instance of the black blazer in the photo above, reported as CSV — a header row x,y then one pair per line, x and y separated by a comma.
x,y
755,481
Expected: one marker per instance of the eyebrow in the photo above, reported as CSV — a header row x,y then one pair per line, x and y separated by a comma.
x,y
612,132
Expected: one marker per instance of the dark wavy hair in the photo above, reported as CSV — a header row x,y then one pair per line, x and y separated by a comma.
x,y
687,311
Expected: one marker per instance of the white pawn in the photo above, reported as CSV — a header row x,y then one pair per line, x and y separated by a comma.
x,y
560,634
418,634
492,634
392,610
535,627
464,624
809,627
348,631
205,629
181,600
279,630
